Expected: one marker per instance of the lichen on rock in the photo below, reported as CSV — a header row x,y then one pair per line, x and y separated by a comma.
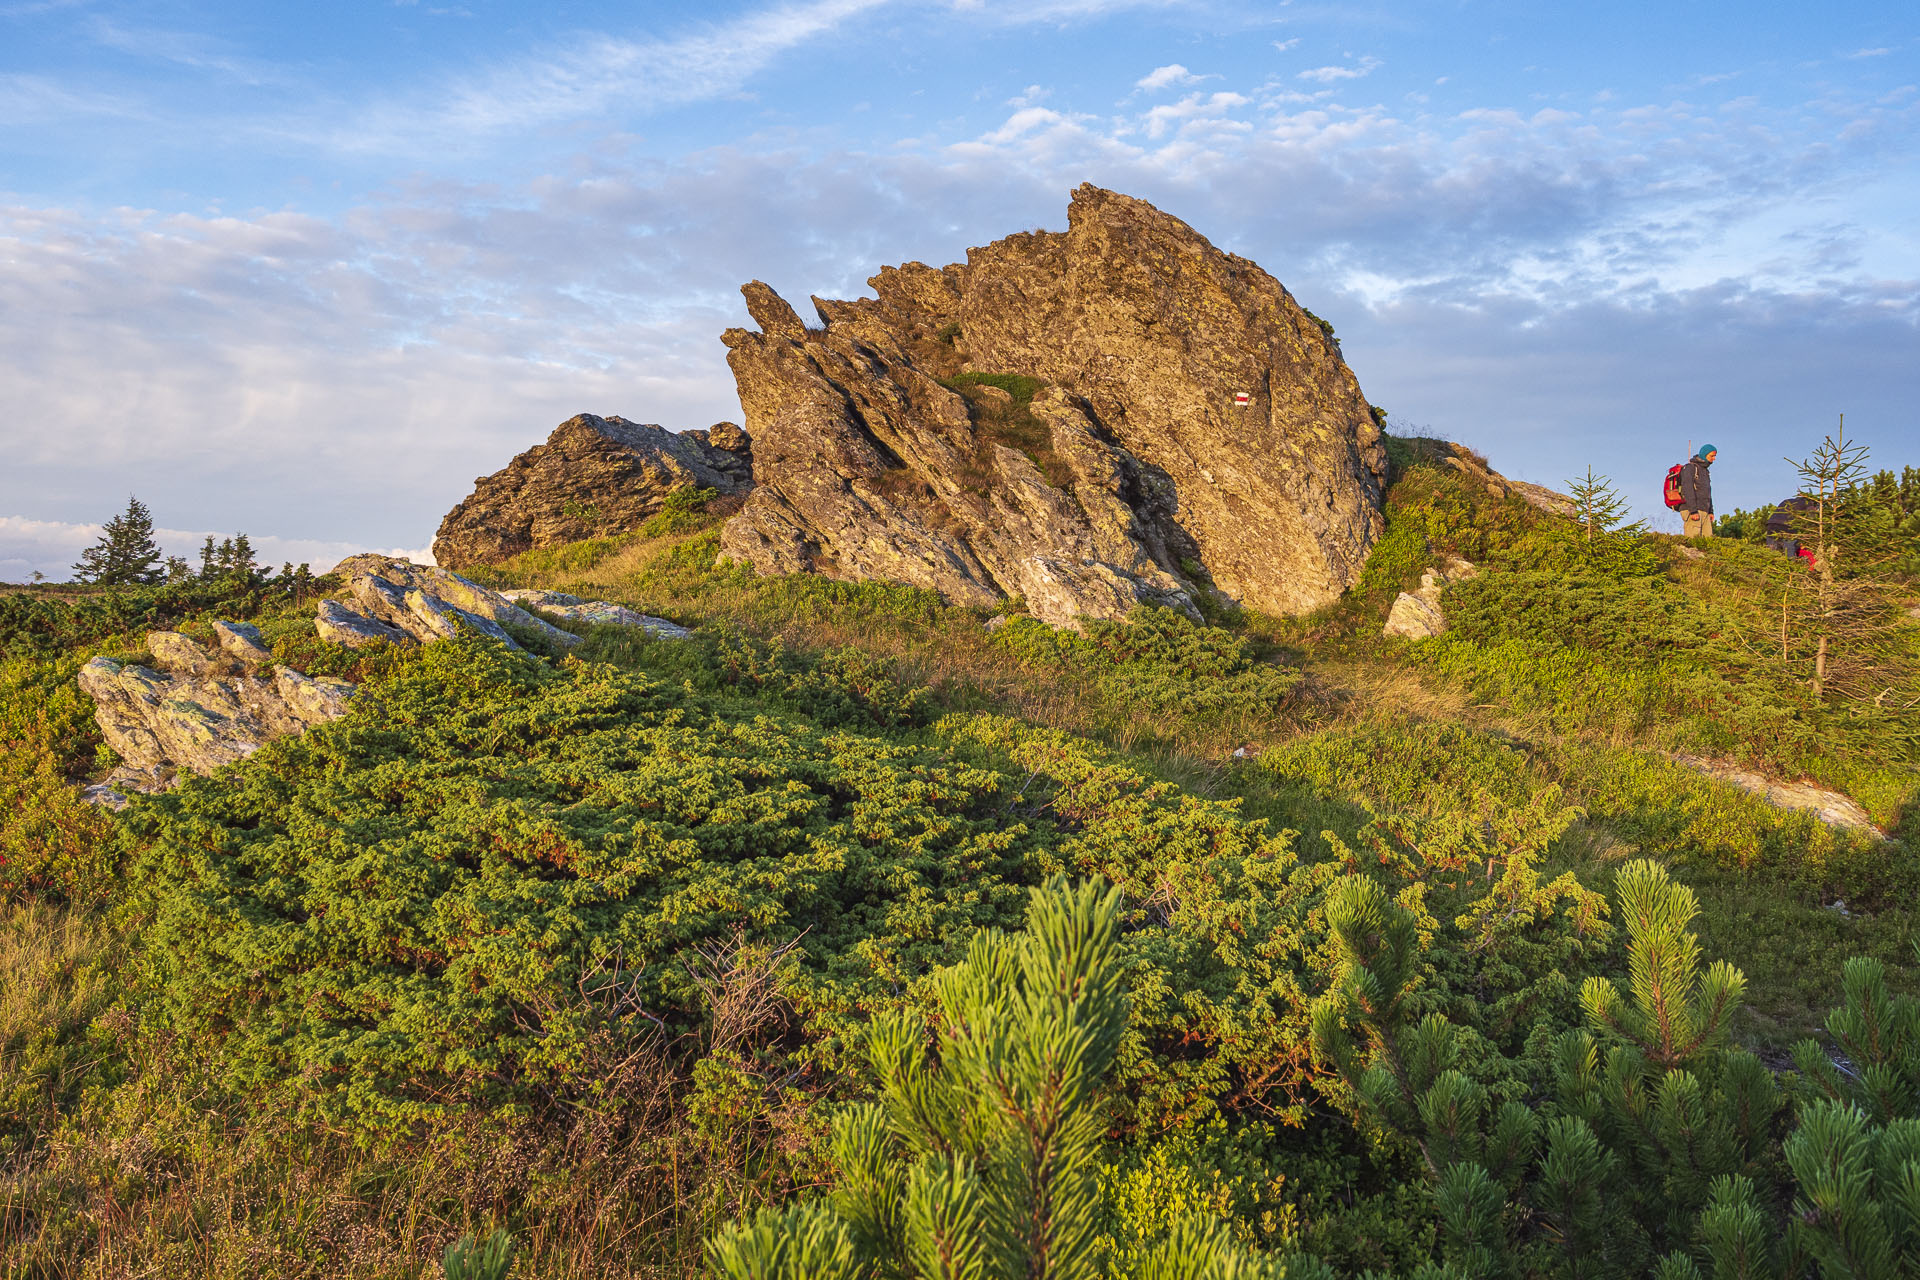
x,y
201,709
398,601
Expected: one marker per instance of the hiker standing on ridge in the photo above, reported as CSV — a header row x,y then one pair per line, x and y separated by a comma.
x,y
1696,493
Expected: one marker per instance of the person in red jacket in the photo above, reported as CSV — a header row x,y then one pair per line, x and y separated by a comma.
x,y
1696,493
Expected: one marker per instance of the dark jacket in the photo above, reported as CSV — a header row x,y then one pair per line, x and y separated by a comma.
x,y
1791,516
1696,486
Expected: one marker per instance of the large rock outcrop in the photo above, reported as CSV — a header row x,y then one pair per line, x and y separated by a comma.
x,y
593,477
1191,428
201,708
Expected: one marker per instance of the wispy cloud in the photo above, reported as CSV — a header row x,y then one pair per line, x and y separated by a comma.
x,y
1867,53
1328,75
201,53
588,76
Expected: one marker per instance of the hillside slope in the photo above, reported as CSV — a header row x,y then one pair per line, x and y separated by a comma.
x,y
587,947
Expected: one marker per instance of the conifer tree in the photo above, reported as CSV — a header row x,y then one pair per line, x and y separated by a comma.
x,y
126,554
978,1162
1673,1010
1845,614
1600,508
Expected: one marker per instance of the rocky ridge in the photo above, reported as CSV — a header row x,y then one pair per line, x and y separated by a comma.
x,y
1188,427
593,477
594,613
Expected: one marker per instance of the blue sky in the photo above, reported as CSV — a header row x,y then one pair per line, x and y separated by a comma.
x,y
306,271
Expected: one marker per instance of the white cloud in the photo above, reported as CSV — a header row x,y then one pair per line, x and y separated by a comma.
x,y
1867,53
1284,45
1194,107
1166,77
1328,75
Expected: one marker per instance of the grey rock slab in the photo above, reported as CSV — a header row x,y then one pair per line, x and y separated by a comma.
x,y
341,625
199,717
243,642
1830,807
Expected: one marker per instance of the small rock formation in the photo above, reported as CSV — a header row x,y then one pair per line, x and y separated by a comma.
x,y
1831,807
596,613
202,709
403,602
1195,429
1416,614
593,477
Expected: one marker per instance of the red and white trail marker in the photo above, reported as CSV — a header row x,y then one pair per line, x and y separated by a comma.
x,y
1241,399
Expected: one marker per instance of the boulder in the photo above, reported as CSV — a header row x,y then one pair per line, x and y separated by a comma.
x,y
202,708
597,613
593,477
397,601
1189,428
1417,615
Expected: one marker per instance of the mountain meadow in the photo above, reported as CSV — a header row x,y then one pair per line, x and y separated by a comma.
x,y
861,934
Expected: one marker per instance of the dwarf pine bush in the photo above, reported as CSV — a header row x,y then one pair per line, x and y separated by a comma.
x,y
1648,1147
979,1159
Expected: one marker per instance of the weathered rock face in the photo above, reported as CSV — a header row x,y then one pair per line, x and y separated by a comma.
x,y
594,476
202,709
1132,476
397,601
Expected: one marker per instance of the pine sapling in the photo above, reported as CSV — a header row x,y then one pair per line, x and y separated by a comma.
x,y
1674,1009
1600,508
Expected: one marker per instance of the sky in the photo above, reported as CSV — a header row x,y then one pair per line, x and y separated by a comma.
x,y
307,271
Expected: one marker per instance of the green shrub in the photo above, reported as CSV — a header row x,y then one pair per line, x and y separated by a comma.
x,y
1018,385
52,843
37,624
1639,621
1159,664
682,511
983,1162
1396,560
383,909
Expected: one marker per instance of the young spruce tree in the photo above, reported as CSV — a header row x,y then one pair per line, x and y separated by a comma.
x,y
1842,624
1600,509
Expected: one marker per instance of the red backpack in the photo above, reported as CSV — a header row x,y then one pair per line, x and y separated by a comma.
x,y
1675,499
